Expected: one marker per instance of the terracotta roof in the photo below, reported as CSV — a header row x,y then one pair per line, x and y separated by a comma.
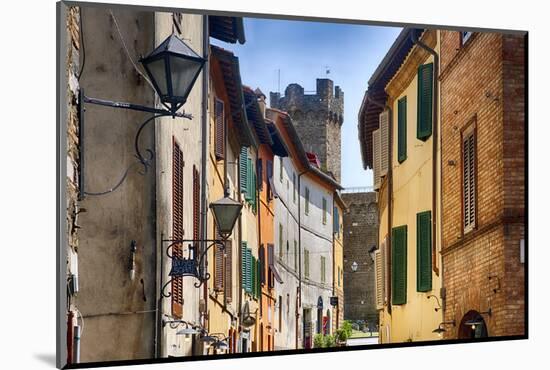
x,y
229,64
255,116
228,29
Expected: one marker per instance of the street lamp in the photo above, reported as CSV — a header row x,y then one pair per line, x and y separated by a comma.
x,y
354,266
226,211
173,68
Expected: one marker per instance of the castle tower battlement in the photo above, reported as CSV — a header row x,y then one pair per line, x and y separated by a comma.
x,y
318,119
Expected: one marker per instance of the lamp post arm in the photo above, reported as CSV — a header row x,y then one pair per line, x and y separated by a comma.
x,y
131,106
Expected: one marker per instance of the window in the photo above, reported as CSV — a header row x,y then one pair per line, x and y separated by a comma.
x,y
280,314
177,224
228,273
260,174
336,222
280,240
323,269
424,251
465,36
324,211
294,187
469,178
295,255
218,265
247,268
339,280
219,129
425,101
402,129
247,178
306,263
281,169
399,265
306,208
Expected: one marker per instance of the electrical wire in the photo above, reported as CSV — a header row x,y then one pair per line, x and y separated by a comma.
x,y
83,51
128,53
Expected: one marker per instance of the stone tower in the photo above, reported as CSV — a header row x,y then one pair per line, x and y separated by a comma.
x,y
318,119
360,240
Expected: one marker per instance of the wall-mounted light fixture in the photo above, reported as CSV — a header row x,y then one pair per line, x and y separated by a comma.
x,y
440,328
437,299
226,211
354,266
173,68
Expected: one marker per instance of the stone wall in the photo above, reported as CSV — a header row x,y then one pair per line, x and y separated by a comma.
x,y
360,235
482,83
72,126
318,119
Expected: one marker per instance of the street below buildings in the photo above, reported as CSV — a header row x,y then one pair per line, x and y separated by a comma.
x,y
362,341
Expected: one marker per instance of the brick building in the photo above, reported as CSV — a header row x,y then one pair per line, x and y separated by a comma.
x,y
318,119
360,235
483,139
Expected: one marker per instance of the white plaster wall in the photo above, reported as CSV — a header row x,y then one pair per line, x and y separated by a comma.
x,y
188,135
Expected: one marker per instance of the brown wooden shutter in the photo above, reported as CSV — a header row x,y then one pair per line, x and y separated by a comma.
x,y
262,264
218,264
270,261
219,134
228,283
177,225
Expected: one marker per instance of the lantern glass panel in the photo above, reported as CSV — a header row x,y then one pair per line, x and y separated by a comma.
x,y
183,72
158,72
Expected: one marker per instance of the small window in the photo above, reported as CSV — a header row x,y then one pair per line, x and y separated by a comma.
x,y
306,208
323,269
469,178
294,187
280,240
295,255
324,211
306,263
465,36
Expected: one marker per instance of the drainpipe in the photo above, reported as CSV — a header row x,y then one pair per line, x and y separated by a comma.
x,y
389,178
299,256
435,139
204,152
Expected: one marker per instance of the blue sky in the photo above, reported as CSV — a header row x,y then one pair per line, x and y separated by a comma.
x,y
301,50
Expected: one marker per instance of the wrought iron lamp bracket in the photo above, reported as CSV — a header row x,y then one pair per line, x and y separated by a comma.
x,y
144,160
191,266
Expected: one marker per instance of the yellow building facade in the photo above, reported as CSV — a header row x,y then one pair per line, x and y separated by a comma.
x,y
407,262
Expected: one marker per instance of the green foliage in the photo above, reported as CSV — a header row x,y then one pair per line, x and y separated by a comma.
x,y
324,341
347,328
329,341
318,341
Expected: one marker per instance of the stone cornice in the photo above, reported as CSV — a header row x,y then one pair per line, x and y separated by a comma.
x,y
408,70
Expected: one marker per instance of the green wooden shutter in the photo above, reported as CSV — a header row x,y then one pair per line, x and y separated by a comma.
x,y
248,186
243,169
424,251
248,287
402,129
425,96
399,265
243,264
253,278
